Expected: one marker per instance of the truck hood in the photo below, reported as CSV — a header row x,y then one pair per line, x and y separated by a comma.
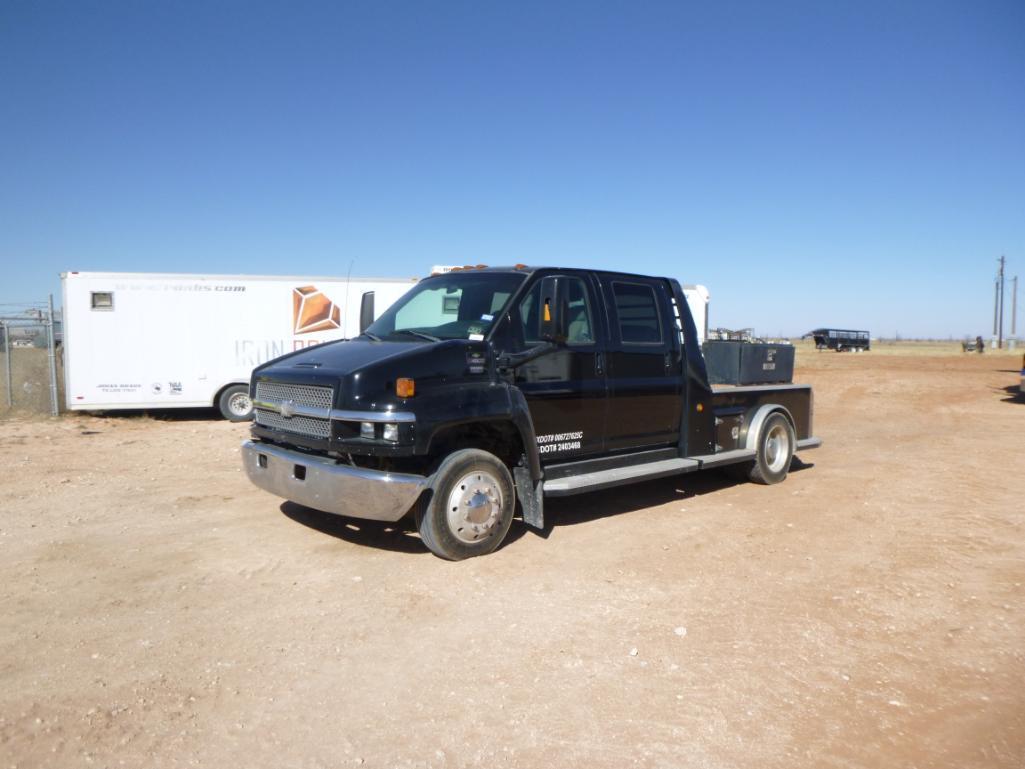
x,y
363,372
341,357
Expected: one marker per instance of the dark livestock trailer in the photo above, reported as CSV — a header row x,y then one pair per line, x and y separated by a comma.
x,y
840,339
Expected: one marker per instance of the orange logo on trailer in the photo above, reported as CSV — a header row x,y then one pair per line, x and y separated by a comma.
x,y
313,310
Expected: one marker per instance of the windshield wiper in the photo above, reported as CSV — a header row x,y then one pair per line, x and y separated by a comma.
x,y
420,334
367,334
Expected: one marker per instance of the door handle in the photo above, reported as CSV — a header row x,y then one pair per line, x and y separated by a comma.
x,y
599,363
668,360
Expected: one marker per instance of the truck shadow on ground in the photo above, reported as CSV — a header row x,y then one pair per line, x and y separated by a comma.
x,y
1014,394
584,508
401,536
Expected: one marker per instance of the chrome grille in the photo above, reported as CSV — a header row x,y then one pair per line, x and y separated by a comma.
x,y
272,396
310,426
302,395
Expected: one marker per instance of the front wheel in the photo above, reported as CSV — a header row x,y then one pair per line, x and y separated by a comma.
x,y
776,444
235,404
471,507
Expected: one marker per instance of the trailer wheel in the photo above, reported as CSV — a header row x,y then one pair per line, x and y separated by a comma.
x,y
775,450
471,508
235,404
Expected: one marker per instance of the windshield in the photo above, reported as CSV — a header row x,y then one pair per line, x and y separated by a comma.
x,y
461,305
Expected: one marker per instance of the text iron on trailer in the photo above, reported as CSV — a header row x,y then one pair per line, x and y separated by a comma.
x,y
161,341
482,387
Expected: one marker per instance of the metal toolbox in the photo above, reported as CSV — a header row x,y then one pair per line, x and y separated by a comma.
x,y
748,363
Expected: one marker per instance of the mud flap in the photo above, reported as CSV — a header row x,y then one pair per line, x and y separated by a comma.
x,y
531,498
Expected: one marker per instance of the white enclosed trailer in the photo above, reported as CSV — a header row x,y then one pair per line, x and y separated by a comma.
x,y
697,297
147,340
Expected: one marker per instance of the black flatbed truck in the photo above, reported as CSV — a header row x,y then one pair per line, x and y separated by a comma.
x,y
482,386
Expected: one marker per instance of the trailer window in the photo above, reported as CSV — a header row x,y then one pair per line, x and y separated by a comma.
x,y
102,300
638,313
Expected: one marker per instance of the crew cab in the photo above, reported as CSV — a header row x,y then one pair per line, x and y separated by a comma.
x,y
482,387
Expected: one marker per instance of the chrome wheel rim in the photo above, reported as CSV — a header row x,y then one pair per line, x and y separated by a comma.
x,y
777,448
474,508
239,404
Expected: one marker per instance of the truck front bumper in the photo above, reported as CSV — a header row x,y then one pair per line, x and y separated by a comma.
x,y
323,484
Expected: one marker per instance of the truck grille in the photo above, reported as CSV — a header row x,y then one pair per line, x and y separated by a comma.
x,y
270,397
313,396
309,426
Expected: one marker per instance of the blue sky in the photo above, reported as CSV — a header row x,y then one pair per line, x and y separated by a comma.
x,y
854,164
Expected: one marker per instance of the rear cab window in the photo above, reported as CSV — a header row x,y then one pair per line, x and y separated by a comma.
x,y
637,313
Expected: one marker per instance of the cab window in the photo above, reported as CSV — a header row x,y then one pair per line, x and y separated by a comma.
x,y
637,310
452,306
579,323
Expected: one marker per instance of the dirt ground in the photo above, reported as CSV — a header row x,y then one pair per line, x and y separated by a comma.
x,y
158,611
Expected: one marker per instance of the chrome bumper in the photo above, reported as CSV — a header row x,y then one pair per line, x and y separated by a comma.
x,y
323,484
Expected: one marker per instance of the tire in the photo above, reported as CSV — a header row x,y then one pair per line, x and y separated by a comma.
x,y
235,405
471,507
776,443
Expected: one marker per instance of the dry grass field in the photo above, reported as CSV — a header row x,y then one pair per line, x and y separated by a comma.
x,y
903,347
158,611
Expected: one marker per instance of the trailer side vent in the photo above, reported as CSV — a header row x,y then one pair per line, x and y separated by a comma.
x,y
102,300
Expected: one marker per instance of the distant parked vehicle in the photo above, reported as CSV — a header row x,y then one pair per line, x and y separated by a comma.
x,y
977,346
840,339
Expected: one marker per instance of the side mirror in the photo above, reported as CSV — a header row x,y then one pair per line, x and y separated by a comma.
x,y
552,312
366,311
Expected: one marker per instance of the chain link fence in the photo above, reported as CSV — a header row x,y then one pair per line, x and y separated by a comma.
x,y
31,369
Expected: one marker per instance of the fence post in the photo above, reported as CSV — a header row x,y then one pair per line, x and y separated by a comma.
x,y
51,347
5,334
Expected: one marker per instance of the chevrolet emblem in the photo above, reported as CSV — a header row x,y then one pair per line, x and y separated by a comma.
x,y
288,409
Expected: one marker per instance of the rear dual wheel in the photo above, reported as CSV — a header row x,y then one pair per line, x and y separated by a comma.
x,y
471,507
773,453
776,444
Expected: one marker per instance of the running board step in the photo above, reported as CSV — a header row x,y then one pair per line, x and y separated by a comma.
x,y
604,479
617,476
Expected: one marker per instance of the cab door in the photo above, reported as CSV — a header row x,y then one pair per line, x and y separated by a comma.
x,y
565,389
645,397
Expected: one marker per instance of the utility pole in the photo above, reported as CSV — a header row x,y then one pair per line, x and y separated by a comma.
x,y
5,332
998,320
1014,306
51,347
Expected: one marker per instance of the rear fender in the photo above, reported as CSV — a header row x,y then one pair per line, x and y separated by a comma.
x,y
754,426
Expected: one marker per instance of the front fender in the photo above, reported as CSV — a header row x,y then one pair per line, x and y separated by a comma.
x,y
473,403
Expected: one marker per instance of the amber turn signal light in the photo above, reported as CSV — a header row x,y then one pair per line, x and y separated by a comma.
x,y
405,388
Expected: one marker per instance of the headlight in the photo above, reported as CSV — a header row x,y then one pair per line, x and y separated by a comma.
x,y
391,432
366,430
